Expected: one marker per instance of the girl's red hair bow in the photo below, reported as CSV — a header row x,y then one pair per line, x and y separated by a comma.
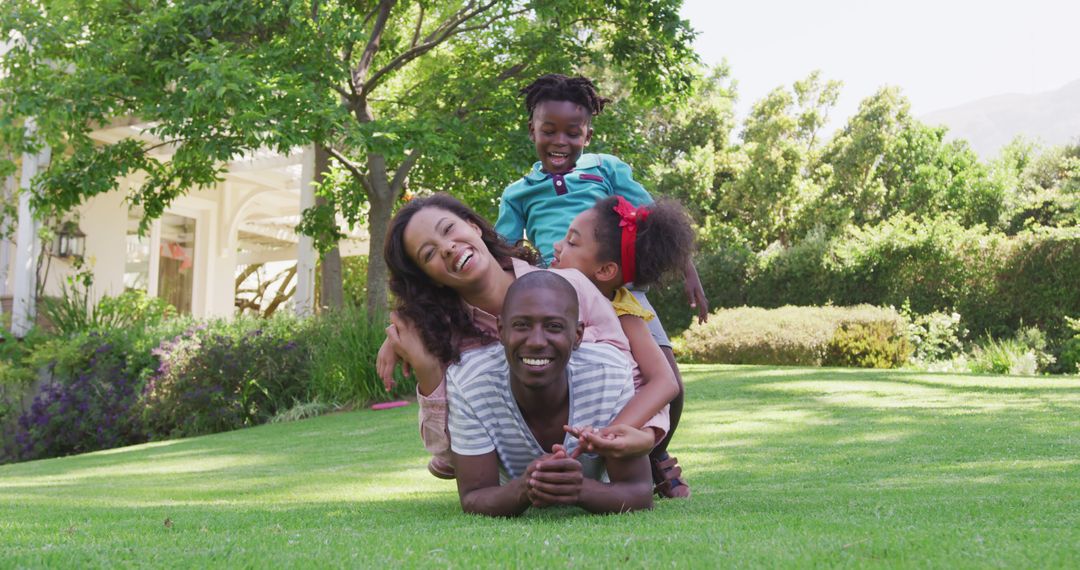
x,y
630,217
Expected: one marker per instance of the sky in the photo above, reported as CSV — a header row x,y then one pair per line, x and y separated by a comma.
x,y
942,53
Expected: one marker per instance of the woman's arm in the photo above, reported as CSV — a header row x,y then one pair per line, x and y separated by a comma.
x,y
405,342
658,380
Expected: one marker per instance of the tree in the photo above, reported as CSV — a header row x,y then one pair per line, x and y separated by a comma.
x,y
418,95
884,162
781,144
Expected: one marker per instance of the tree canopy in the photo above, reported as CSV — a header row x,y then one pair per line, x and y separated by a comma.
x,y
402,95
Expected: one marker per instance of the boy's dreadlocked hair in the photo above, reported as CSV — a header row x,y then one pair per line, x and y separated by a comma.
x,y
558,87
665,239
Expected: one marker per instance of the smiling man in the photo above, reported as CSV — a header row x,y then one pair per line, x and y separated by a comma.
x,y
509,403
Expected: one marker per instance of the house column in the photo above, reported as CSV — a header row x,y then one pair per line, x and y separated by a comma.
x,y
304,299
5,241
27,244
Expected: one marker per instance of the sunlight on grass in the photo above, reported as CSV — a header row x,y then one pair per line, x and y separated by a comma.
x,y
883,394
1021,382
141,447
875,437
140,468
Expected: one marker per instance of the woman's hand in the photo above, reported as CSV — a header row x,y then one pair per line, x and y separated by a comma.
x,y
616,441
409,346
387,360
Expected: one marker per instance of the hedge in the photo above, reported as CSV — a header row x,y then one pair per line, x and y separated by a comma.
x,y
863,335
997,283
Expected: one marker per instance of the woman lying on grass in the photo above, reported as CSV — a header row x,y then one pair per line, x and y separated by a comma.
x,y
449,272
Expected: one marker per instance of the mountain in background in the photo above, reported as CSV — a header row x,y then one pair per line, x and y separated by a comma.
x,y
1052,118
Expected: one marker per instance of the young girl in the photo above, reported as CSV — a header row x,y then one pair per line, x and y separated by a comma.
x,y
615,243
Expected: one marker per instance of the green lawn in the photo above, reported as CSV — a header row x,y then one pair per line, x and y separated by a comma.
x,y
789,467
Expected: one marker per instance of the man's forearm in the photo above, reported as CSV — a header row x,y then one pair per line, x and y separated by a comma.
x,y
498,501
597,497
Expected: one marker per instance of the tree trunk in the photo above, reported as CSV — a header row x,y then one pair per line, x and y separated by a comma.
x,y
378,220
331,292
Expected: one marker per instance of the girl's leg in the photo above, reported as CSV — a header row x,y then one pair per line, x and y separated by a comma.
x,y
667,475
676,405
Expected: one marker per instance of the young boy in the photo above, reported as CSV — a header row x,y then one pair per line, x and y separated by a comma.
x,y
565,182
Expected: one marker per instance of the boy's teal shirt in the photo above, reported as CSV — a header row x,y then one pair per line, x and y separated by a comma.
x,y
541,205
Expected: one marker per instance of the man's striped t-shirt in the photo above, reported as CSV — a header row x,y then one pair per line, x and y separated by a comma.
x,y
484,416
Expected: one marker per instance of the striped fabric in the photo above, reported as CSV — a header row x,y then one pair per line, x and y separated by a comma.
x,y
484,416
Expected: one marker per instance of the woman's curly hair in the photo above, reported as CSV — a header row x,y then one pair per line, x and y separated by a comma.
x,y
557,87
438,311
665,239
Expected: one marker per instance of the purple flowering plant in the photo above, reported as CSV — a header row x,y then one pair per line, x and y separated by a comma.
x,y
225,376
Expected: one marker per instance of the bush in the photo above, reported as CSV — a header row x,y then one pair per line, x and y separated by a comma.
x,y
876,344
788,335
95,409
998,284
1036,285
1024,354
934,265
73,312
17,376
935,337
343,350
222,376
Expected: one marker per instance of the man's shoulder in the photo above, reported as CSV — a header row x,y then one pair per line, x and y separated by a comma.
x,y
597,356
476,366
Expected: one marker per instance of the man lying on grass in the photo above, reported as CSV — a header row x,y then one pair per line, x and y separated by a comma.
x,y
509,403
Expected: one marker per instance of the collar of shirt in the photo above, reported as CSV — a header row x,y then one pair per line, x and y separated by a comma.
x,y
585,161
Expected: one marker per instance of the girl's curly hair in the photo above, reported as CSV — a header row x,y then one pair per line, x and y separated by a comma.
x,y
438,311
557,87
665,239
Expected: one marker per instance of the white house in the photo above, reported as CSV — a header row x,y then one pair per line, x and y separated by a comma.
x,y
193,253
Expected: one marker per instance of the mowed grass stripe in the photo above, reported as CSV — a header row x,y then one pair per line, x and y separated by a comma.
x,y
789,467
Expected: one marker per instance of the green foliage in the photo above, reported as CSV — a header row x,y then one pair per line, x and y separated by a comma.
x,y
343,345
95,409
1007,356
723,273
876,344
418,94
936,336
781,143
303,411
1045,185
74,312
354,279
1034,285
791,335
1069,360
997,283
89,395
225,376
